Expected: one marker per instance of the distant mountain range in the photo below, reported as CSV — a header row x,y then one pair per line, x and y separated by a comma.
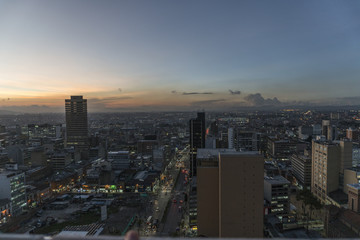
x,y
44,109
7,112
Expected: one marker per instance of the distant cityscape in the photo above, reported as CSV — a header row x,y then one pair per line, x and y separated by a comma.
x,y
283,174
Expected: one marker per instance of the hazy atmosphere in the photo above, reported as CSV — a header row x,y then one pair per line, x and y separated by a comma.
x,y
178,55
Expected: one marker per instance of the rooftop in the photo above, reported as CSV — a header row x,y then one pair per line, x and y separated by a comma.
x,y
276,180
37,237
210,152
118,152
355,185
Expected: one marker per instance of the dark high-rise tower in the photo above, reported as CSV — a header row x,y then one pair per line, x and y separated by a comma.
x,y
76,122
197,139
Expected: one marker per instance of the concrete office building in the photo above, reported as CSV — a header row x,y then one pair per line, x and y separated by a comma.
x,y
329,131
119,160
351,176
197,139
276,193
329,160
325,124
228,198
301,169
282,149
12,186
356,155
231,138
203,155
77,124
352,134
146,147
60,160
43,131
305,131
317,129
247,140
332,133
354,197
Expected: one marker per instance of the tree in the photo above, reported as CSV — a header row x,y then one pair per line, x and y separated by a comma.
x,y
310,201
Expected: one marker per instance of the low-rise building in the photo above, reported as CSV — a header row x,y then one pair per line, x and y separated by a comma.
x,y
276,192
119,159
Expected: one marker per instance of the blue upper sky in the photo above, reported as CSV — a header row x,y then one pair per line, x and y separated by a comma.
x,y
133,54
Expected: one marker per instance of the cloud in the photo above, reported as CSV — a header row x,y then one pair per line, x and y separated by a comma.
x,y
191,93
258,100
194,93
208,102
101,104
235,92
108,99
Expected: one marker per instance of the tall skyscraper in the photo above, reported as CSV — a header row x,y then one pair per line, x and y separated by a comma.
x,y
230,197
197,139
76,123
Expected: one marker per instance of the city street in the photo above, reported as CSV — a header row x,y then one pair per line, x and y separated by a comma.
x,y
162,198
165,196
174,214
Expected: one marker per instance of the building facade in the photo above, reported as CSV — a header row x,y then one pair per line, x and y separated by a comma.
x,y
12,186
197,139
76,123
329,160
228,198
301,169
276,193
119,160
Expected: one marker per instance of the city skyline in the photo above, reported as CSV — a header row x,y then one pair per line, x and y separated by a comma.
x,y
178,56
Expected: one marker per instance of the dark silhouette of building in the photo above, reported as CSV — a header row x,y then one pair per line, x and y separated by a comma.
x,y
197,139
77,124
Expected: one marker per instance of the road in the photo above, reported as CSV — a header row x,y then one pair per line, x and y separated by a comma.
x,y
160,201
174,214
165,194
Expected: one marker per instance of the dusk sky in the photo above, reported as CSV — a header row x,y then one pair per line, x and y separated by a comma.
x,y
178,55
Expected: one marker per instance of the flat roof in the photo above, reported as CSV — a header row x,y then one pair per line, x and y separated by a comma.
x,y
141,175
276,180
210,152
10,173
355,185
118,152
73,234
